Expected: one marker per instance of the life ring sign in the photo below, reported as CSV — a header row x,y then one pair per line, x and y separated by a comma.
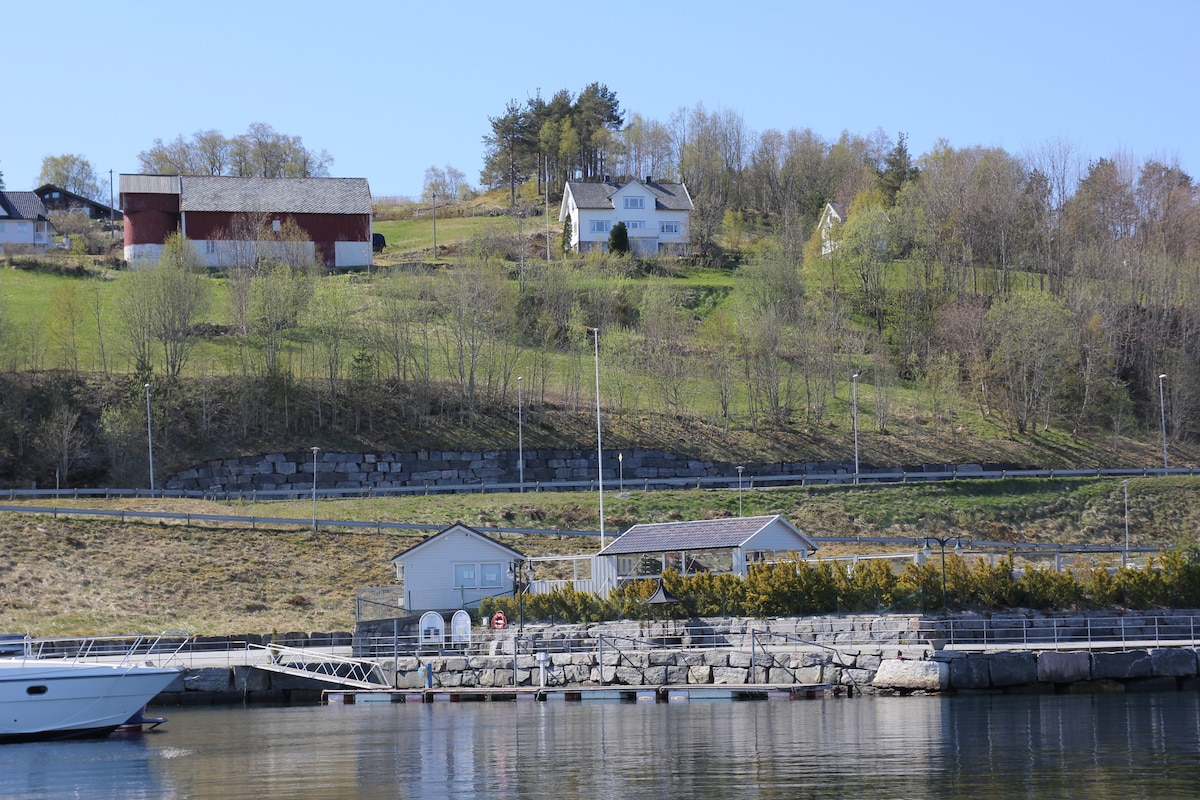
x,y
499,620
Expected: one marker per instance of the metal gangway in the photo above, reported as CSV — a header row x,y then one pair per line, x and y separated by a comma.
x,y
318,665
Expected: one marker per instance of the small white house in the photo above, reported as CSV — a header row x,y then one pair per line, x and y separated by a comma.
x,y
656,215
23,220
455,569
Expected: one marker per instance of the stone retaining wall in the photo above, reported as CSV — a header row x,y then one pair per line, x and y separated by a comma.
x,y
419,468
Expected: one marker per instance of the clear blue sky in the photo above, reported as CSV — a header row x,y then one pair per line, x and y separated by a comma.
x,y
391,88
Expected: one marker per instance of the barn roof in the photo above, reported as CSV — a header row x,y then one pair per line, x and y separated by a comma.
x,y
667,196
708,534
149,184
276,195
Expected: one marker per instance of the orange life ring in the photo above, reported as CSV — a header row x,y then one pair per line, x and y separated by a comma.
x,y
499,620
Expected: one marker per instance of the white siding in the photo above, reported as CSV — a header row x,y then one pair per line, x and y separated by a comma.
x,y
352,254
429,571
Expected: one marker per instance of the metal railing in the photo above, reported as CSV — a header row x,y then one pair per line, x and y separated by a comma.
x,y
163,647
317,664
1066,633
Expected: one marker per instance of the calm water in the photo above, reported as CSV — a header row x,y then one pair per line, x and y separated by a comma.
x,y
999,747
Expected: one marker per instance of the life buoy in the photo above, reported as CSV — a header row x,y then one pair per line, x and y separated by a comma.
x,y
499,620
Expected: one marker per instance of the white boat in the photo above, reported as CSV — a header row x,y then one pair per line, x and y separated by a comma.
x,y
55,698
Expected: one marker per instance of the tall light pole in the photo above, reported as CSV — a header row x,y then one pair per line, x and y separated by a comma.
x,y
521,573
942,542
599,445
520,437
149,440
1162,407
854,380
739,471
1125,555
315,450
620,474
435,224
547,209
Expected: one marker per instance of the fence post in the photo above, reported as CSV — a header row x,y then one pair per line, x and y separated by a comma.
x,y
600,658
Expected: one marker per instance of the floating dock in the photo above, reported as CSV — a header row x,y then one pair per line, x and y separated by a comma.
x,y
580,694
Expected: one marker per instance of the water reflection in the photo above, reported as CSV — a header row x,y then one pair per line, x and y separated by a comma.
x,y
989,747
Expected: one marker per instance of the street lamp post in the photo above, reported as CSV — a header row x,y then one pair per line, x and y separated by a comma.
x,y
149,440
599,446
739,471
521,573
435,225
942,542
854,380
1125,555
1162,408
315,450
520,437
620,474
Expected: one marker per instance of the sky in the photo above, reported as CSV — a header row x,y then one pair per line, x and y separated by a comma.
x,y
392,88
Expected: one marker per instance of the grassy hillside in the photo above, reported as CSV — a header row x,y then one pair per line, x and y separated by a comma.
x,y
75,576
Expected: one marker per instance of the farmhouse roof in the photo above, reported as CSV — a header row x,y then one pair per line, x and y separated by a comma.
x,y
705,534
667,196
21,205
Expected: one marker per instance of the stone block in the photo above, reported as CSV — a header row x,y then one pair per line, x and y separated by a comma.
x,y
739,658
1054,667
1179,662
969,673
1122,666
628,676
729,676
1012,669
209,679
701,674
930,676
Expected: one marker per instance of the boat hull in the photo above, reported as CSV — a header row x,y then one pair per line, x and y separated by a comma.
x,y
40,701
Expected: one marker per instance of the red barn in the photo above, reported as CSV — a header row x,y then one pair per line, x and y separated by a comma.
x,y
223,215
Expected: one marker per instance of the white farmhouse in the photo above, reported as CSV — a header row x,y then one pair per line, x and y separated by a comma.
x,y
23,221
455,569
656,215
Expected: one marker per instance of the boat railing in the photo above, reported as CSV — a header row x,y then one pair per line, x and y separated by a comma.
x,y
124,650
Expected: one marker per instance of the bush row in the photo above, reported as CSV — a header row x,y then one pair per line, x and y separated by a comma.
x,y
793,588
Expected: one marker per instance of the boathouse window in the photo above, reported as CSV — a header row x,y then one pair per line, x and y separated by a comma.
x,y
464,576
35,690
491,576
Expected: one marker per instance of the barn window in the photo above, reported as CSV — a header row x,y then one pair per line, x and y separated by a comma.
x,y
275,225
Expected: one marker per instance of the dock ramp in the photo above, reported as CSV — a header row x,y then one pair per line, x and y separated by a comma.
x,y
322,666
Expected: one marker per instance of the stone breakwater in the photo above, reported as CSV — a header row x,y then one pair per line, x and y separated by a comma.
x,y
852,655
428,468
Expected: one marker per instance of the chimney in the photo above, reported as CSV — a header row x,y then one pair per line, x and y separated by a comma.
x,y
649,179
606,179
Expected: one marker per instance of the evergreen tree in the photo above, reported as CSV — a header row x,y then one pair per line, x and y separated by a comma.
x,y
618,239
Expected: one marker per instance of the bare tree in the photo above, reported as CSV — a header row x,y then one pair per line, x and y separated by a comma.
x,y
63,440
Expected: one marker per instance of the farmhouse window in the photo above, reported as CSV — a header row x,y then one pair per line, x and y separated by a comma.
x,y
635,202
668,227
598,226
